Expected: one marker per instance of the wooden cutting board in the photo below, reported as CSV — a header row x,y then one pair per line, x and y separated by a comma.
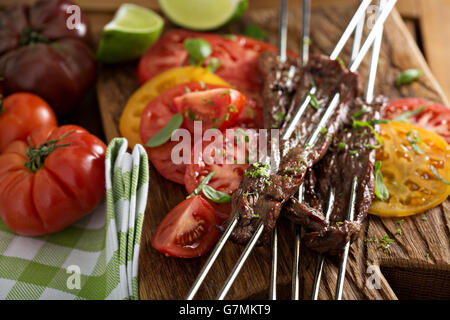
x,y
415,266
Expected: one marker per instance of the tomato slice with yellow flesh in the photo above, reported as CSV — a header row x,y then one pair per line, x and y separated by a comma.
x,y
408,155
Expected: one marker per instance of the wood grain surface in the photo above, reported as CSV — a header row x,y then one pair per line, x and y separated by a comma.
x,y
415,266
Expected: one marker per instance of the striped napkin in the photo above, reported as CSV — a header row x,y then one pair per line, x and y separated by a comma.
x,y
95,258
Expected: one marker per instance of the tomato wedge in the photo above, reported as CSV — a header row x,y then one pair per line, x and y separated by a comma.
x,y
188,230
216,108
227,177
434,117
408,157
155,117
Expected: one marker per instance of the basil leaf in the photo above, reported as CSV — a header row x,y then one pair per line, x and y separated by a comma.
x,y
198,49
213,65
414,141
360,112
360,124
165,133
202,184
255,32
408,76
381,191
314,103
216,196
438,176
404,116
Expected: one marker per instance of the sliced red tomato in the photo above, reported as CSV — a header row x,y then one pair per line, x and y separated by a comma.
x,y
216,108
228,174
435,117
188,231
238,56
155,117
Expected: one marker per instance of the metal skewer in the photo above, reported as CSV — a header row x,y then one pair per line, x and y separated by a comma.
x,y
311,141
368,97
282,45
298,230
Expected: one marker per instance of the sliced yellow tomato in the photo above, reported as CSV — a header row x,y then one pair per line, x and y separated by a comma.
x,y
131,115
408,155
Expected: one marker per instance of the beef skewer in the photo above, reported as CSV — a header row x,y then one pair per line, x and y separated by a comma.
x,y
369,99
233,222
282,54
298,230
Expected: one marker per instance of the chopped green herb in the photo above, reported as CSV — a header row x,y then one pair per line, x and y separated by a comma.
x,y
374,239
381,191
438,176
202,85
341,62
339,223
414,141
424,219
404,116
323,130
378,121
386,242
353,152
250,113
427,256
314,103
360,112
361,124
279,116
163,135
399,232
293,170
255,32
232,108
400,222
257,216
306,41
262,170
408,76
230,36
187,90
341,145
213,65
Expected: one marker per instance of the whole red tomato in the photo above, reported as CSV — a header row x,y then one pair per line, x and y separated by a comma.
x,y
41,53
20,113
51,181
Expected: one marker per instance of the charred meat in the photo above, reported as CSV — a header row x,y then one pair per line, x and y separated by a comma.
x,y
351,154
266,187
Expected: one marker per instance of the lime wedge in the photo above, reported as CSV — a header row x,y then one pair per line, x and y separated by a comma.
x,y
132,31
203,14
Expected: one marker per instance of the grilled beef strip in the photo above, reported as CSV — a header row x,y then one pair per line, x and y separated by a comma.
x,y
350,155
265,187
280,81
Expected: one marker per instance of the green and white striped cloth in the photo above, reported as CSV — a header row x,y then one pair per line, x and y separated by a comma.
x,y
95,258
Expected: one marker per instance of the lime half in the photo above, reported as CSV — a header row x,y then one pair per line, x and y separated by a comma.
x,y
132,31
203,14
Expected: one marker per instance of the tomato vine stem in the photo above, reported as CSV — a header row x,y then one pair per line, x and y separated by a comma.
x,y
36,156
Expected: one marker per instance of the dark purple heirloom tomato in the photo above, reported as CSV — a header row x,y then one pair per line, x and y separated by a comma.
x,y
42,52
